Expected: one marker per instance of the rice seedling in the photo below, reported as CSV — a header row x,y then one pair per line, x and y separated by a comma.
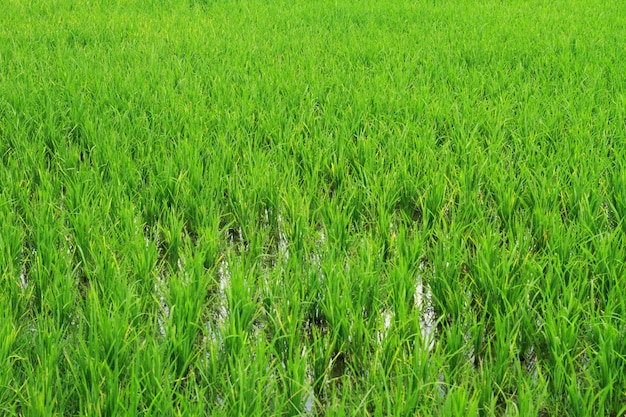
x,y
312,208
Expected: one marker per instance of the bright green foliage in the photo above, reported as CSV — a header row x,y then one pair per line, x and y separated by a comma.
x,y
259,208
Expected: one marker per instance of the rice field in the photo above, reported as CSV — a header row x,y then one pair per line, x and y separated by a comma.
x,y
313,208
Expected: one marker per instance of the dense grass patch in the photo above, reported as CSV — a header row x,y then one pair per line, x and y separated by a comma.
x,y
291,208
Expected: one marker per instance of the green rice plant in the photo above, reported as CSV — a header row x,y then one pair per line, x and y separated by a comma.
x,y
186,301
292,367
11,241
8,356
503,355
242,309
531,396
48,269
456,353
326,362
618,194
507,193
41,396
434,202
336,219
402,275
144,265
15,291
562,350
339,310
247,387
606,365
157,391
448,287
296,225
605,265
459,401
172,232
